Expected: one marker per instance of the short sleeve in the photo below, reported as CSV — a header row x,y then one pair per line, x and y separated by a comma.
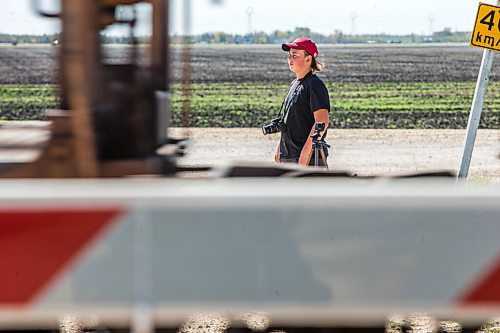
x,y
318,96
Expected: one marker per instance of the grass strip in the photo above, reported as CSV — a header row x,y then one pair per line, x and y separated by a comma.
x,y
354,105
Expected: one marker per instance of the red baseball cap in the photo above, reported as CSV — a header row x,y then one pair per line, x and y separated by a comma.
x,y
302,43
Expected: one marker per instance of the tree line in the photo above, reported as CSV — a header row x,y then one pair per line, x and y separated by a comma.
x,y
336,37
276,37
56,38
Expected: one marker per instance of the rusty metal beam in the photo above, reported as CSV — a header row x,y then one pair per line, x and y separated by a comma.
x,y
81,65
159,43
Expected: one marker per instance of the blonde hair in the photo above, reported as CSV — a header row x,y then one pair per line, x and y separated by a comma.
x,y
315,64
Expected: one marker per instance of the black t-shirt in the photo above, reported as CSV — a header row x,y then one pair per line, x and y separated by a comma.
x,y
305,96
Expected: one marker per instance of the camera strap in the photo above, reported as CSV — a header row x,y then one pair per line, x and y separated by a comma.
x,y
284,99
289,99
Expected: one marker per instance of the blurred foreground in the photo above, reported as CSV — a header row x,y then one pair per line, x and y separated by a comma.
x,y
306,253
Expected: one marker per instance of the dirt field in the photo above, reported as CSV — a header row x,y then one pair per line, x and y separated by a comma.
x,y
358,63
364,152
266,63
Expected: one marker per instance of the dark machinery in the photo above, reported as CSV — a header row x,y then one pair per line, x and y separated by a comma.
x,y
112,117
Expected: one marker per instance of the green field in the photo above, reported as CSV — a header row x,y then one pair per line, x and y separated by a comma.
x,y
354,105
26,102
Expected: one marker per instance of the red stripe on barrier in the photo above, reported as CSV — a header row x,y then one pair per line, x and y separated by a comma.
x,y
486,289
35,245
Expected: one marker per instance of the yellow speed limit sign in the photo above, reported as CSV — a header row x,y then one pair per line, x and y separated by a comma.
x,y
486,33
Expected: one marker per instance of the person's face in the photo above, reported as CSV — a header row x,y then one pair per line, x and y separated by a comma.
x,y
298,61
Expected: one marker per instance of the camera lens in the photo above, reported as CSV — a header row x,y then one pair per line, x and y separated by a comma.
x,y
275,126
269,129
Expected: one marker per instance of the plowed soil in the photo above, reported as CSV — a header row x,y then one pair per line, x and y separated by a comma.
x,y
265,63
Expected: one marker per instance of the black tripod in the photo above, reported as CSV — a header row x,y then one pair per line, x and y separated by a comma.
x,y
318,146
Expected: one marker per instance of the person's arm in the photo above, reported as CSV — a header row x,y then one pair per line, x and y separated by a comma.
x,y
277,154
320,116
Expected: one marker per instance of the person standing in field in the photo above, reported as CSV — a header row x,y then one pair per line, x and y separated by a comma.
x,y
307,102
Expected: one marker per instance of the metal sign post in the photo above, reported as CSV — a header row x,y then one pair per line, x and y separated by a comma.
x,y
475,112
484,35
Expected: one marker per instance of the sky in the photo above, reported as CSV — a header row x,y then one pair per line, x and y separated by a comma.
x,y
243,16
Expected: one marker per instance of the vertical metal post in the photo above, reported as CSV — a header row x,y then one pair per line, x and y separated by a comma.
x,y
475,112
81,78
186,57
160,44
162,116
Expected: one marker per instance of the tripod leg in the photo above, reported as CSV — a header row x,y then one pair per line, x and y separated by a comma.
x,y
323,157
316,157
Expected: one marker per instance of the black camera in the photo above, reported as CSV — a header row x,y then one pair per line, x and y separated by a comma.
x,y
276,126
319,127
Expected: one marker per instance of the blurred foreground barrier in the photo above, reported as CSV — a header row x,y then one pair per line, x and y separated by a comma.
x,y
305,253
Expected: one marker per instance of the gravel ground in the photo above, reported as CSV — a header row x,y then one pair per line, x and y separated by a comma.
x,y
366,152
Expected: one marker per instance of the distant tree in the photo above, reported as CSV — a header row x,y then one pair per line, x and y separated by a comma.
x,y
301,32
261,38
446,32
206,38
337,36
219,37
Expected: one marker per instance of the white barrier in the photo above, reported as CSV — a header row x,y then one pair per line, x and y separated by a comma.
x,y
302,250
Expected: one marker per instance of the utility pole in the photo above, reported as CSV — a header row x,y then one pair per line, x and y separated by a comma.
x,y
249,20
354,16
